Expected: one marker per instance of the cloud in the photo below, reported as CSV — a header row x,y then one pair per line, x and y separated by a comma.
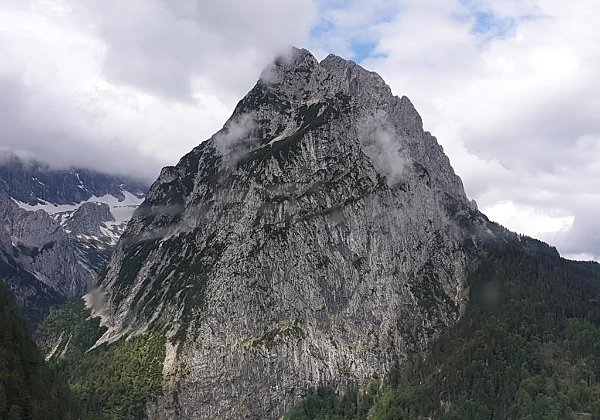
x,y
234,131
509,89
167,46
33,126
230,141
380,142
349,28
528,219
131,86
582,240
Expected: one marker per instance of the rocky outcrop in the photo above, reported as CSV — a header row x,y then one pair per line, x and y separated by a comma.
x,y
314,240
41,264
89,218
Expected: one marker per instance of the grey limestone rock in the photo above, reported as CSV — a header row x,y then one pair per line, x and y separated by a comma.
x,y
89,218
312,241
38,244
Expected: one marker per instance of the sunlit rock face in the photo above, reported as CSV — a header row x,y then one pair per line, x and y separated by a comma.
x,y
312,241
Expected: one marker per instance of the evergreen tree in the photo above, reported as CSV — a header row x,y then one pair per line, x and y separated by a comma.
x,y
14,413
28,388
3,406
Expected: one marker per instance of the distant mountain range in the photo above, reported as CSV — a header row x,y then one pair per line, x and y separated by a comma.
x,y
58,229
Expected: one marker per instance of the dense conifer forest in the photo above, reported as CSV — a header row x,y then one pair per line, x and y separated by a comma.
x,y
29,389
110,381
527,347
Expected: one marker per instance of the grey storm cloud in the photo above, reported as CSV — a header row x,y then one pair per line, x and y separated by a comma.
x,y
46,129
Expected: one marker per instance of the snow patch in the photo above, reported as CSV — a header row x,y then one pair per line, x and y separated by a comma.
x,y
53,349
113,231
121,210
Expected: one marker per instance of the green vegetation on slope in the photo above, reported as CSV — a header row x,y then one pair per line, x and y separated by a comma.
x,y
112,381
528,347
28,388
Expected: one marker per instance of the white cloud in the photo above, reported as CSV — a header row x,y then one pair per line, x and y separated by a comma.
x,y
380,143
341,25
163,45
516,110
528,219
133,85
509,87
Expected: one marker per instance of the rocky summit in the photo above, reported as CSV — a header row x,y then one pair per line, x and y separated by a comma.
x,y
316,240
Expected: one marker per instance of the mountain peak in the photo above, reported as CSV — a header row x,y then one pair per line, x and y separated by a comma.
x,y
33,182
314,231
298,76
59,227
296,85
296,58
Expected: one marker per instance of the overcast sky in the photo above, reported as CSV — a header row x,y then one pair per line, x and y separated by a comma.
x,y
510,88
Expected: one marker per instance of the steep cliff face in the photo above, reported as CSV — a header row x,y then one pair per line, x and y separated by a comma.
x,y
56,236
312,241
34,242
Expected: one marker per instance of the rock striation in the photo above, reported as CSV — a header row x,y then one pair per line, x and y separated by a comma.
x,y
314,240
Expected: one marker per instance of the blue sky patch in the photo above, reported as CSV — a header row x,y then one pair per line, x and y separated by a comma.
x,y
490,24
362,50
